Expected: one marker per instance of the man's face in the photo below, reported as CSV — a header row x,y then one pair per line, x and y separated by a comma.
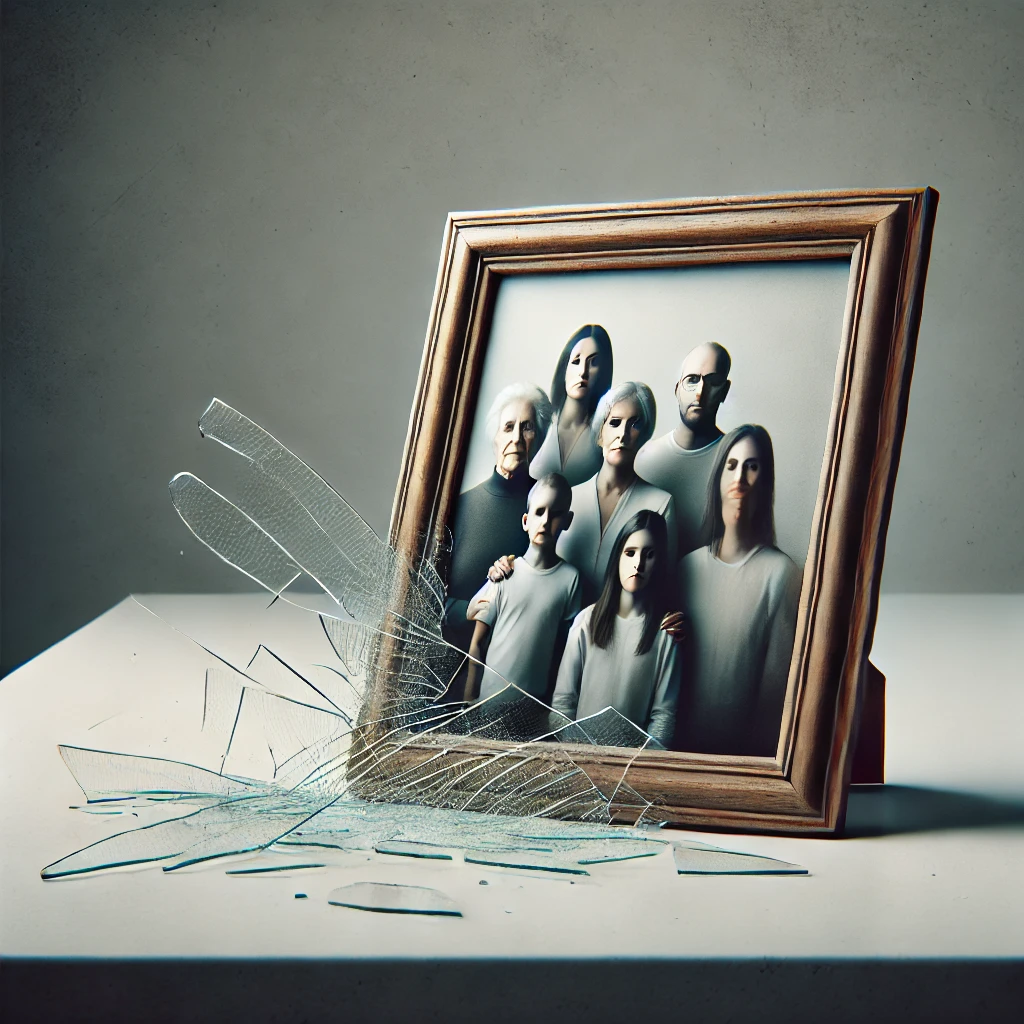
x,y
514,441
701,388
739,484
547,516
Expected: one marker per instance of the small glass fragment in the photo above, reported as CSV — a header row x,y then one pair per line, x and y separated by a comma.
x,y
387,898
422,850
612,857
711,861
524,861
273,868
301,896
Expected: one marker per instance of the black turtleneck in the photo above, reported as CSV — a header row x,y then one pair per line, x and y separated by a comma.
x,y
488,524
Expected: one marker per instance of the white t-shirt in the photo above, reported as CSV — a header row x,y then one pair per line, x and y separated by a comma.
x,y
641,687
742,620
685,475
525,612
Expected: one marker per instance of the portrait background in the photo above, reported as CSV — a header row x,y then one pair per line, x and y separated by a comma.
x,y
781,323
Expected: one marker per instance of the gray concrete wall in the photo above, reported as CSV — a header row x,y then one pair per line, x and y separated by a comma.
x,y
245,199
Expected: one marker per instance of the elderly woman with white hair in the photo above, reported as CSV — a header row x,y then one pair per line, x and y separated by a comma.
x,y
489,518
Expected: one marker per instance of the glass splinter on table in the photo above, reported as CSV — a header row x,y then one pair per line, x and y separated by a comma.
x,y
386,898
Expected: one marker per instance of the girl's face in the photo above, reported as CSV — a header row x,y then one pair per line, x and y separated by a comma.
x,y
583,366
620,435
637,561
738,485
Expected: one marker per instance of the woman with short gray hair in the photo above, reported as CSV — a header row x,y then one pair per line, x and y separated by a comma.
x,y
623,422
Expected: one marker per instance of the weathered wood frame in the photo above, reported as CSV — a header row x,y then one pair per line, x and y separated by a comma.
x,y
886,234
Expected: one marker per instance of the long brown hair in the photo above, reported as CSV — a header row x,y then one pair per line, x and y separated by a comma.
x,y
656,594
763,524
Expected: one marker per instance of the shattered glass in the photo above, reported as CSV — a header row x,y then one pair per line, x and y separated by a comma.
x,y
350,758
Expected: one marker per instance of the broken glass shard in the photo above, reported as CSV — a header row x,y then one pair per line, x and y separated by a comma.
x,y
386,898
710,861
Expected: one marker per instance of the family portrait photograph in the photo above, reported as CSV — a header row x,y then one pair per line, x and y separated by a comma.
x,y
636,504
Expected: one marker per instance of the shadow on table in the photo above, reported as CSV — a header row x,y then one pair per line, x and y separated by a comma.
x,y
892,810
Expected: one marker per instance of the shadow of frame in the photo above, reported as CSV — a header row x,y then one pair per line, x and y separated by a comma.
x,y
895,810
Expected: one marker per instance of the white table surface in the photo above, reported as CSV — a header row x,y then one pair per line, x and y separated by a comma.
x,y
931,867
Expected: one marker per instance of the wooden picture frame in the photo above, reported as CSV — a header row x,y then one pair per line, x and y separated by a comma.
x,y
886,236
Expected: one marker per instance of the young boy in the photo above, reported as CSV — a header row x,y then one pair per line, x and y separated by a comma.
x,y
520,620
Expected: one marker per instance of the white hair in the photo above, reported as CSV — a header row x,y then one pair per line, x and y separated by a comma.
x,y
522,392
629,389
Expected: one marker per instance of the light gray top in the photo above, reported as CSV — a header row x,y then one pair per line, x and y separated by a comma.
x,y
583,461
685,475
641,687
524,613
584,544
742,618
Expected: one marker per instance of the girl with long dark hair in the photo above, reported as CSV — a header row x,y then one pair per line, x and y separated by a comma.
x,y
616,655
582,375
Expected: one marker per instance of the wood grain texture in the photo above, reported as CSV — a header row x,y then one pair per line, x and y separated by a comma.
x,y
887,235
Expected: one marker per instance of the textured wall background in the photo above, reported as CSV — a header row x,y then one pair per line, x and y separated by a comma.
x,y
246,199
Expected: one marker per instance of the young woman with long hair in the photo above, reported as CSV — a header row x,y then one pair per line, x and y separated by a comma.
x,y
616,655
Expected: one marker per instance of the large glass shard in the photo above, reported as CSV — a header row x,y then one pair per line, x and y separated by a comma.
x,y
386,898
103,775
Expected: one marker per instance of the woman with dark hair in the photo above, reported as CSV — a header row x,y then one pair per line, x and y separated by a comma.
x,y
740,594
616,655
582,375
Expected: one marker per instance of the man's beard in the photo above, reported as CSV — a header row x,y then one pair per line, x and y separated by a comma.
x,y
694,415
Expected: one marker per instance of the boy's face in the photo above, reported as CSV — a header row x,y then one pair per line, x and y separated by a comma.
x,y
547,516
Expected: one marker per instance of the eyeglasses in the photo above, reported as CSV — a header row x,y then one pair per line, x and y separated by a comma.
x,y
714,381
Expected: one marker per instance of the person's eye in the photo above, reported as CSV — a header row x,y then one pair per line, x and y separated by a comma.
x,y
731,464
691,378
614,422
575,360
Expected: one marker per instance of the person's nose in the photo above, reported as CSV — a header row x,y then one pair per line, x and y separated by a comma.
x,y
698,394
641,562
517,433
585,373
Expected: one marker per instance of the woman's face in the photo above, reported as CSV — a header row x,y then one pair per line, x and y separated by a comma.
x,y
738,486
581,370
620,435
636,563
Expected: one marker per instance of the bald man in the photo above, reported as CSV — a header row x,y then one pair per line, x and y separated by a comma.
x,y
681,461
